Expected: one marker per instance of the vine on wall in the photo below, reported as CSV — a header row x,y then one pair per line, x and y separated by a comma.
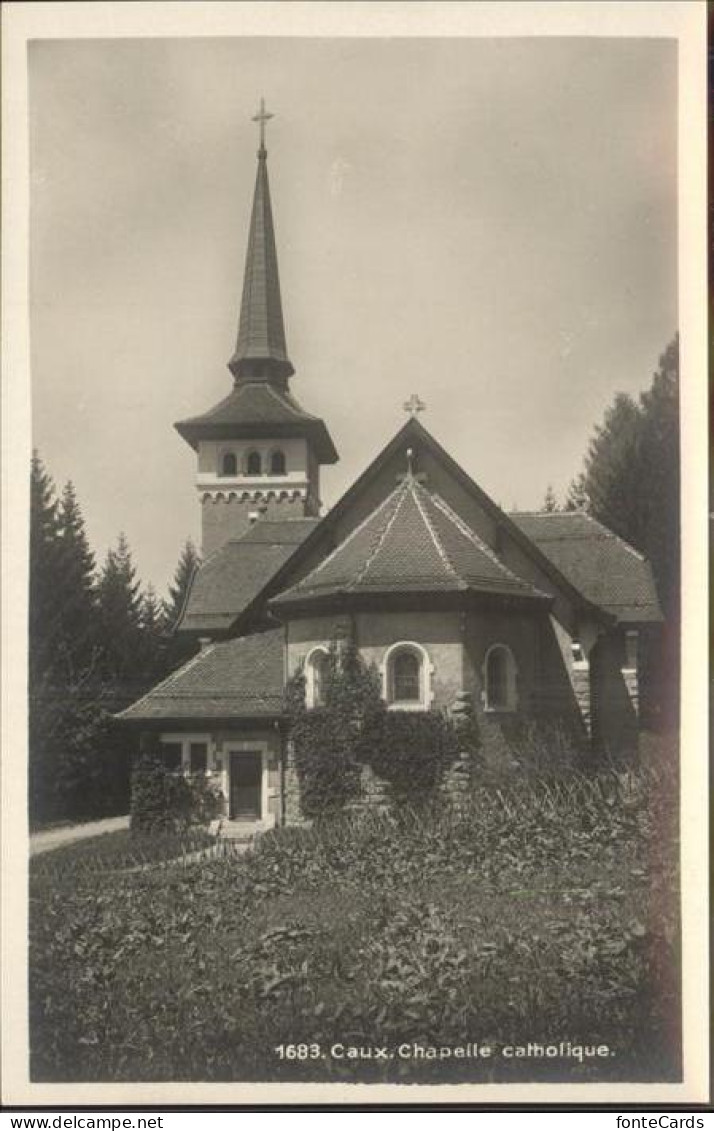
x,y
409,750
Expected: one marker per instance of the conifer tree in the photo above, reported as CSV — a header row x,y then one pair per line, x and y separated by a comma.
x,y
44,564
611,479
154,638
630,479
78,758
188,563
45,697
119,602
180,648
660,467
550,502
577,498
631,482
76,596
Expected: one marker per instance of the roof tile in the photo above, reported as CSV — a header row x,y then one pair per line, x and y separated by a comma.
x,y
232,578
412,542
237,678
603,567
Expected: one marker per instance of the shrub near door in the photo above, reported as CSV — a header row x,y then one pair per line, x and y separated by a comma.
x,y
165,800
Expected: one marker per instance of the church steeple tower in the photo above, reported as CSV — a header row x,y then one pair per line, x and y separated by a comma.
x,y
261,352
259,452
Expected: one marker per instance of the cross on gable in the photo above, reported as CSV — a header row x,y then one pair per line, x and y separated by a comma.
x,y
414,406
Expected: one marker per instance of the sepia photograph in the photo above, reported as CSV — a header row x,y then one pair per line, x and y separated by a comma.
x,y
354,559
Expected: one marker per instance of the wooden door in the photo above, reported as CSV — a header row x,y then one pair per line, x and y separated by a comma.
x,y
246,785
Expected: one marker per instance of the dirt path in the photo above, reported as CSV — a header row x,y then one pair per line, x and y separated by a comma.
x,y
55,838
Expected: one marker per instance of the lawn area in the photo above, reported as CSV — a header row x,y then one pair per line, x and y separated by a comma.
x,y
545,913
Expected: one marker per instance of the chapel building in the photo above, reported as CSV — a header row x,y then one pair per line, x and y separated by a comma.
x,y
529,623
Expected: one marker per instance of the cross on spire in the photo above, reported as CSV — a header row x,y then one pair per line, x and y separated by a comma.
x,y
262,117
414,406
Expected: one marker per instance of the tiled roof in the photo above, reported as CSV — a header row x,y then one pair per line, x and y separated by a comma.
x,y
604,568
231,578
252,405
412,542
240,678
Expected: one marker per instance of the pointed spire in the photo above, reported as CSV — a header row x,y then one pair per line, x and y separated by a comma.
x,y
261,352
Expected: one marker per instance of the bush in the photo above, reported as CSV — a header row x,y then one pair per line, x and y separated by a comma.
x,y
411,752
162,800
327,741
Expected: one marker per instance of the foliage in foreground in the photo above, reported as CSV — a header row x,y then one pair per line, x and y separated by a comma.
x,y
546,911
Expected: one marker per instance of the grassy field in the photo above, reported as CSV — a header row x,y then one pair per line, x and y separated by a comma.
x,y
546,913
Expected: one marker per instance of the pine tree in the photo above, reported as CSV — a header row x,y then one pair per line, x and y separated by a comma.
x,y
612,480
550,502
188,563
44,622
76,588
45,697
119,601
577,497
630,481
78,757
659,461
179,647
154,638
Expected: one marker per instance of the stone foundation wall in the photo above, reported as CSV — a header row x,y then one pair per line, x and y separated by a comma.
x,y
581,688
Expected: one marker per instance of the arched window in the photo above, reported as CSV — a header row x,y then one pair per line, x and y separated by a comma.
x,y
277,463
316,672
229,464
406,677
253,464
499,679
406,672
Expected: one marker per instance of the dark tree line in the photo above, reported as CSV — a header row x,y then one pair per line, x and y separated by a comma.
x,y
630,482
630,478
97,641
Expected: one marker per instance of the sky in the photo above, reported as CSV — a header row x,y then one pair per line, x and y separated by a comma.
x,y
489,223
